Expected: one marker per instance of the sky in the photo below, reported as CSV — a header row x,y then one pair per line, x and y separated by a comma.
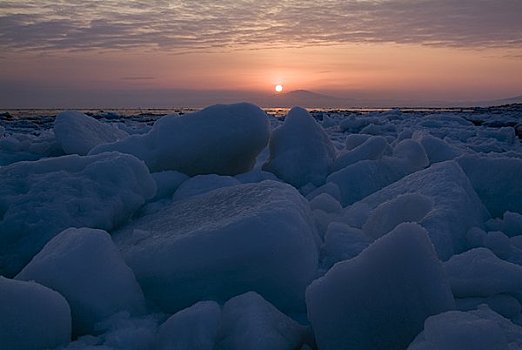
x,y
161,53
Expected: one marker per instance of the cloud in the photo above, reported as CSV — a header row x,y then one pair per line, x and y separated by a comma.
x,y
138,78
179,26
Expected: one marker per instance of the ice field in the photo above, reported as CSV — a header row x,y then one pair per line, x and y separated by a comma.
x,y
231,228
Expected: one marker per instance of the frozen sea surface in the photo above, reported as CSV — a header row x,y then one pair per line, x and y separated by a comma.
x,y
234,227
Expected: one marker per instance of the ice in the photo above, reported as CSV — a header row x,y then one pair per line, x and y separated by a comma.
x,y
499,244
201,184
456,206
85,267
79,133
121,332
497,180
456,330
512,224
18,147
256,175
300,150
475,237
32,316
249,322
380,299
513,332
224,257
40,199
220,139
378,129
167,182
322,219
328,122
503,304
325,209
480,273
445,120
326,203
329,188
246,322
409,207
354,123
223,243
194,328
412,152
365,177
516,241
373,148
478,329
355,140
503,134
342,242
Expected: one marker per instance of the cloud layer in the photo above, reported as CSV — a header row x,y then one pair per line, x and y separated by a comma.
x,y
230,24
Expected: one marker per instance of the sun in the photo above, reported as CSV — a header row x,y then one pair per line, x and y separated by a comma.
x,y
278,88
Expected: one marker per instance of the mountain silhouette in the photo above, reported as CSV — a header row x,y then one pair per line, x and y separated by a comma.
x,y
308,99
500,102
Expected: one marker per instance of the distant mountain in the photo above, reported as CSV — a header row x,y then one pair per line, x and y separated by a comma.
x,y
310,99
305,98
500,102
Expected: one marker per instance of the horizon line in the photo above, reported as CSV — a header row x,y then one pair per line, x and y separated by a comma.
x,y
310,108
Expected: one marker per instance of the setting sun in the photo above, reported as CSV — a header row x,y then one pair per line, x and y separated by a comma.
x,y
279,88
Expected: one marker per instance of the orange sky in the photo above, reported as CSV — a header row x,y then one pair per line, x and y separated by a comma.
x,y
56,64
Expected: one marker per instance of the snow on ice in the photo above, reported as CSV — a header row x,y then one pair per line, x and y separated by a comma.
x,y
85,267
221,139
479,272
79,133
300,150
250,322
201,184
248,237
32,316
481,329
445,204
41,198
192,328
228,228
380,299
